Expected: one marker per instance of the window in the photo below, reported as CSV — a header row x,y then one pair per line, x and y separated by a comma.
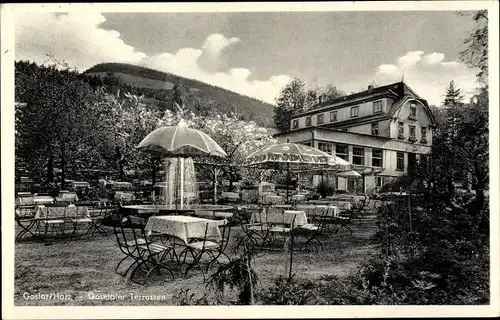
x,y
325,147
377,107
377,157
401,130
413,111
423,134
341,151
400,161
354,112
375,128
333,116
358,156
413,133
295,124
308,121
320,119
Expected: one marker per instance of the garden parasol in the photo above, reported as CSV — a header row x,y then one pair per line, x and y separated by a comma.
x,y
180,141
349,174
290,155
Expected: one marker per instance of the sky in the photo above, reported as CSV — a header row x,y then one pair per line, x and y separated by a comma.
x,y
256,54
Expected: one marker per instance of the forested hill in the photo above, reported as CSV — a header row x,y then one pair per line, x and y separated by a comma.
x,y
158,86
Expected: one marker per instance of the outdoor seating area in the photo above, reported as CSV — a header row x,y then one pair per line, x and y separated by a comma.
x,y
171,235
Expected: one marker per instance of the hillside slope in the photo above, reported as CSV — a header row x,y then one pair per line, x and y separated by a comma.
x,y
227,101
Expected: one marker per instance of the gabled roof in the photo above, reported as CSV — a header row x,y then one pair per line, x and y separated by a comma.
x,y
397,89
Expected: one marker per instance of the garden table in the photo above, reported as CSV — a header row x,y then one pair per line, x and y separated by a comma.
x,y
285,217
298,197
24,201
42,199
43,212
184,227
332,211
273,199
230,195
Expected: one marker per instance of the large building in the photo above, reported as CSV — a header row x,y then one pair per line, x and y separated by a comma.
x,y
383,131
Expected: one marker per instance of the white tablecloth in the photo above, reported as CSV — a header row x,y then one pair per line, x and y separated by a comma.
x,y
184,227
124,196
24,201
298,197
273,199
61,212
332,211
277,217
230,195
343,205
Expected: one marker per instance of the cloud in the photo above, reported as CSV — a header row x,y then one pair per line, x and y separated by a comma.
x,y
428,74
74,37
79,39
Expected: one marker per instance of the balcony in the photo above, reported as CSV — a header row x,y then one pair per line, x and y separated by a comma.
x,y
412,139
401,136
423,141
412,117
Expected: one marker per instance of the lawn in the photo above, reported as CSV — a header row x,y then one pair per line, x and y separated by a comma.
x,y
82,269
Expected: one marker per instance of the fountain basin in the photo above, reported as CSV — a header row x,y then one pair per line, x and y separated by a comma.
x,y
169,209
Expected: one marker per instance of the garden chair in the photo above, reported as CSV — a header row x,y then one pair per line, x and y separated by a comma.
x,y
313,230
343,221
151,254
255,226
97,215
79,219
57,225
213,248
359,208
283,229
127,244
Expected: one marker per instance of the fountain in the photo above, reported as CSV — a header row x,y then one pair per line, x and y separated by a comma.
x,y
180,182
180,191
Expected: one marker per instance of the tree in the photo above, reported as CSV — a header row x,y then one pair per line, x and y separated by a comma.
x,y
332,92
453,96
55,123
124,123
476,53
292,98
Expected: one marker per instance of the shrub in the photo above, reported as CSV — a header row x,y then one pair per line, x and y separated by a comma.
x,y
324,189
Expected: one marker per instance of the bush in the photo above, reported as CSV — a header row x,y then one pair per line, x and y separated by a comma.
x,y
324,189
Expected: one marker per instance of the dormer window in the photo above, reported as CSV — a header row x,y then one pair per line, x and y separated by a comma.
x,y
333,116
295,124
413,111
354,112
319,119
308,121
377,107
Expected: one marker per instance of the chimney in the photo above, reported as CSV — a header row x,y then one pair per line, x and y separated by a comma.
x,y
320,99
370,87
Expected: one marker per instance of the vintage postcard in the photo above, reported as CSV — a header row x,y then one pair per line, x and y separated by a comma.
x,y
250,160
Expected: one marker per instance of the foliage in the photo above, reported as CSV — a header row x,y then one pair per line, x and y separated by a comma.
x,y
476,53
293,98
324,189
184,297
56,120
237,273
